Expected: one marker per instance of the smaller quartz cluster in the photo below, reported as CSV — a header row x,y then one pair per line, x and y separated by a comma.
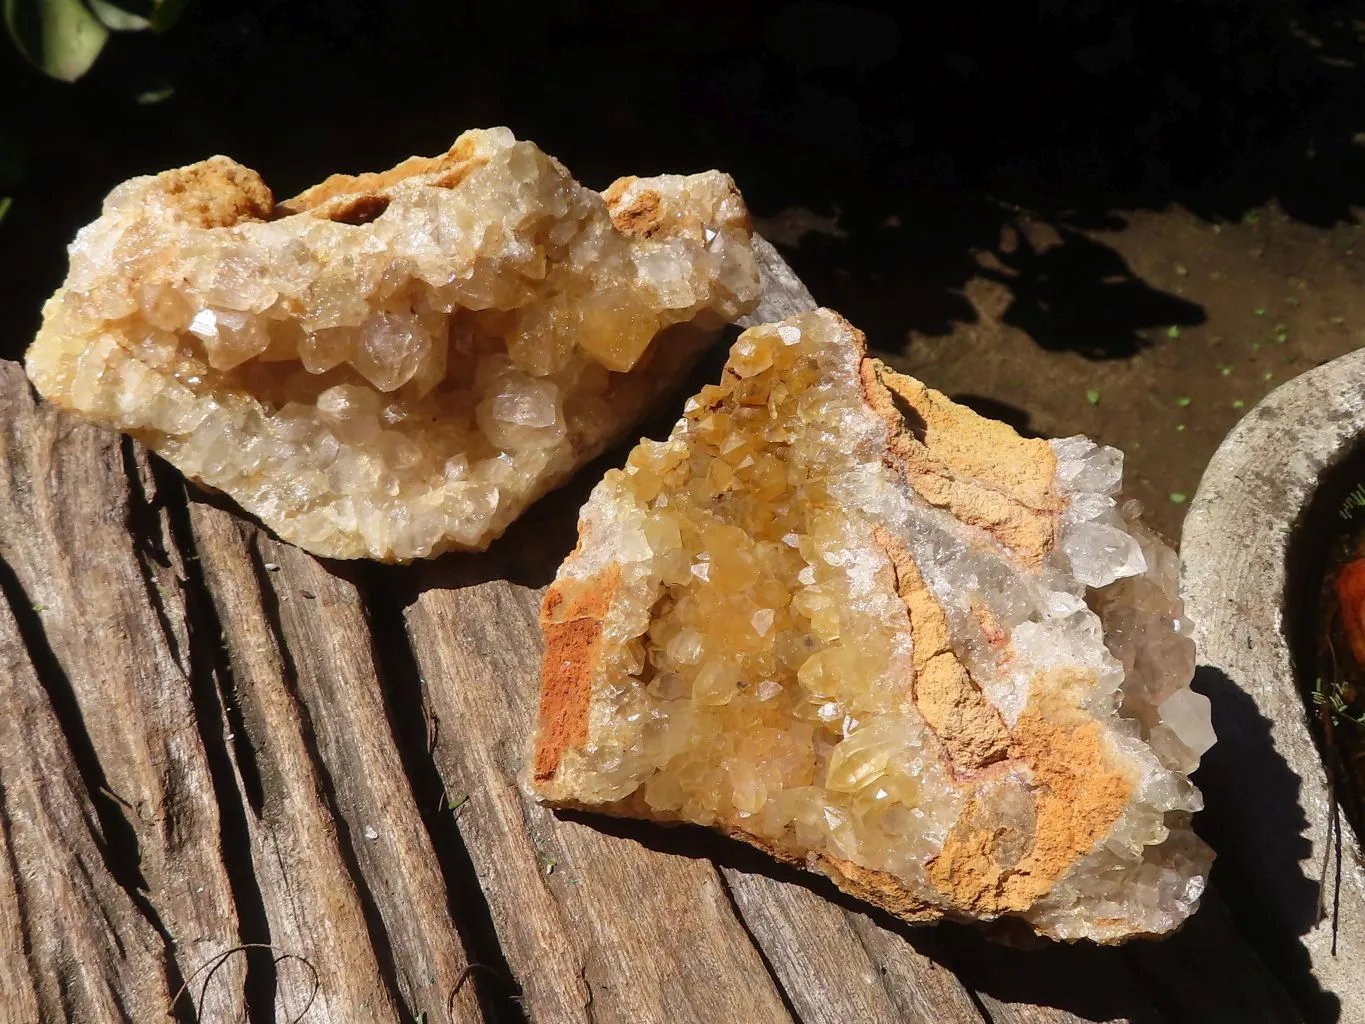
x,y
391,365
844,619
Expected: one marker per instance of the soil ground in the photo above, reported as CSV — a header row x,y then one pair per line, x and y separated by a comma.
x,y
1246,306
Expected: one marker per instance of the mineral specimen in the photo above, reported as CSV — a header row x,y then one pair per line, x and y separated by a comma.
x,y
840,617
391,365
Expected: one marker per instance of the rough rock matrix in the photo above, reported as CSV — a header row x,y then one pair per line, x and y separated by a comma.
x,y
391,365
863,628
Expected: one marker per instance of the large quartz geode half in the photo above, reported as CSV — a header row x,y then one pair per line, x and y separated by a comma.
x,y
871,632
391,365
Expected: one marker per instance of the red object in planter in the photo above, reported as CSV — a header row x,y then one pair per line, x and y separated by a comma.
x,y
1350,588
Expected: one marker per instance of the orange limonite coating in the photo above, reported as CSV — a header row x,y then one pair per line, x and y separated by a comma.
x,y
844,619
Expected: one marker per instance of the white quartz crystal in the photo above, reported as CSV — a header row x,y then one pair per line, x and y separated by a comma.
x,y
391,365
842,618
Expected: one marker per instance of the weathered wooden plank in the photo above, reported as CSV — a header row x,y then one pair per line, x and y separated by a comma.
x,y
138,841
922,986
88,549
346,871
19,978
1020,1011
594,927
327,660
308,895
838,966
74,943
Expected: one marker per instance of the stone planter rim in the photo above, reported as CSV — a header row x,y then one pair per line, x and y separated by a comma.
x,y
1236,547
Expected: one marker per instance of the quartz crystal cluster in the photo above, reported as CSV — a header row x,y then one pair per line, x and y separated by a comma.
x,y
840,617
395,364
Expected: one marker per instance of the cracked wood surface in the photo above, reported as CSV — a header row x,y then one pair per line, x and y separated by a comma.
x,y
241,783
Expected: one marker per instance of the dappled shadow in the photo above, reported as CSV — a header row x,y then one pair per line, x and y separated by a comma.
x,y
1080,294
1070,291
929,130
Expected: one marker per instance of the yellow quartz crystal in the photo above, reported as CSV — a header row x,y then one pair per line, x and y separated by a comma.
x,y
846,620
391,365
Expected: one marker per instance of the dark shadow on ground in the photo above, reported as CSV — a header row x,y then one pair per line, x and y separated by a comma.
x,y
1080,294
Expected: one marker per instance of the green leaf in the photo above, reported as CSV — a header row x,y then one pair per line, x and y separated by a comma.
x,y
61,38
5,203
1092,396
1173,331
1178,497
1183,401
116,19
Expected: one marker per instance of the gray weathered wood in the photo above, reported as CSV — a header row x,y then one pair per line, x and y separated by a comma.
x,y
839,966
346,873
74,941
922,988
210,740
86,550
596,928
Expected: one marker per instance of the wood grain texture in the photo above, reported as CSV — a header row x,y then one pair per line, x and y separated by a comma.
x,y
346,874
75,942
595,928
838,965
89,566
212,742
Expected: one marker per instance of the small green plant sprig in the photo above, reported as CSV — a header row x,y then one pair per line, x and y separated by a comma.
x,y
1336,700
1353,502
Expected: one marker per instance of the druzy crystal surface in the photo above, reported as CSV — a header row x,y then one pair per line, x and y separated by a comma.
x,y
844,619
391,365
